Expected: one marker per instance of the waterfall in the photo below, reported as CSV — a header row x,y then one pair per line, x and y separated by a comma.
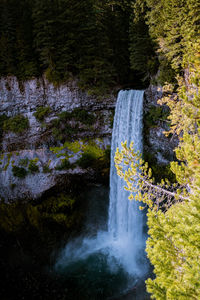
x,y
123,243
125,224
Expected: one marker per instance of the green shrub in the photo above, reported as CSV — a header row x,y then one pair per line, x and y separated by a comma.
x,y
46,169
154,115
83,116
86,160
96,158
166,73
65,165
112,119
75,146
42,112
32,167
19,172
92,155
17,124
24,162
56,210
92,148
107,155
77,114
62,129
9,155
159,171
3,118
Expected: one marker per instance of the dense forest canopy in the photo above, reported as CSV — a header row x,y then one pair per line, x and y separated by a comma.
x,y
97,42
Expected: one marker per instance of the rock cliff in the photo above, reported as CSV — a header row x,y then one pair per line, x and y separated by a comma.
x,y
158,148
44,154
33,144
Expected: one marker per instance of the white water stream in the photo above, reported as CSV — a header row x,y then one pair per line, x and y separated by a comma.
x,y
125,223
124,241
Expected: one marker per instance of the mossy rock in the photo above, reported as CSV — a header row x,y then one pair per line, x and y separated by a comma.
x,y
42,112
17,124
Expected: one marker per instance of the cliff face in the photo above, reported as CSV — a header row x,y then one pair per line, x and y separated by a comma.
x,y
25,100
158,148
34,143
34,160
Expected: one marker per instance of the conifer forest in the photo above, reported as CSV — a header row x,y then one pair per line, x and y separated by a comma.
x,y
100,149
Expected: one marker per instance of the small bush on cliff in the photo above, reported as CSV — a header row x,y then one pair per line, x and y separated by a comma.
x,y
46,169
42,112
65,165
83,116
17,124
68,123
3,118
24,162
94,156
19,172
32,167
62,130
78,114
154,115
87,160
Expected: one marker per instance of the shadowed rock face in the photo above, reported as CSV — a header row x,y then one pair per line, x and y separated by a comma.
x,y
155,142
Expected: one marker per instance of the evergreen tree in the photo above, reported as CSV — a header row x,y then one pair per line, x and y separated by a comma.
x,y
7,37
64,39
142,55
174,210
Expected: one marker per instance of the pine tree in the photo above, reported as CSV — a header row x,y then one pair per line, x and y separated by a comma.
x,y
142,55
174,210
7,37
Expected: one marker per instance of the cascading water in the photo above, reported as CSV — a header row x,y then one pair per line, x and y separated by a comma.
x,y
125,224
120,249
